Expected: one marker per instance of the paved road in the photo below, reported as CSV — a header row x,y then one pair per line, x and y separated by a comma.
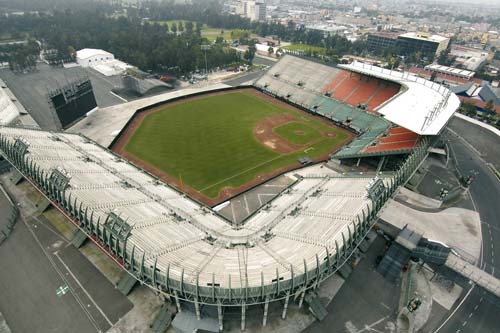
x,y
476,314
263,61
366,301
245,78
35,261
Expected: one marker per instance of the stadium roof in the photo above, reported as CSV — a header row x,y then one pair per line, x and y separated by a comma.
x,y
423,107
8,110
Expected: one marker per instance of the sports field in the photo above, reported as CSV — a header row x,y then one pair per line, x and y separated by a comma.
x,y
218,144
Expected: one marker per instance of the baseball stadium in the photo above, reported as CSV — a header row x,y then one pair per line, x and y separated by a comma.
x,y
145,182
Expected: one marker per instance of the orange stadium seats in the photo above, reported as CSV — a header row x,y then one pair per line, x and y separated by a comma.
x,y
382,95
398,138
355,89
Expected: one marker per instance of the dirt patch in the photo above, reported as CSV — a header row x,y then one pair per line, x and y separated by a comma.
x,y
263,132
299,132
273,142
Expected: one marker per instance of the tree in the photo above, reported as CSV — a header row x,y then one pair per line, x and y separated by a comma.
x,y
433,76
469,109
250,53
189,27
173,28
270,50
489,107
180,26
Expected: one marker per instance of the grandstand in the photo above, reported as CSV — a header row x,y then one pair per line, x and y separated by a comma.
x,y
181,248
383,107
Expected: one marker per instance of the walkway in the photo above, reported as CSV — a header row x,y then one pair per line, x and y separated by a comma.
x,y
474,273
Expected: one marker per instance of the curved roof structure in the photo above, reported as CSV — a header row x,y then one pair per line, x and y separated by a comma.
x,y
423,107
8,110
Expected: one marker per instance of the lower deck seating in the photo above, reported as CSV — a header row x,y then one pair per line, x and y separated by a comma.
x,y
397,139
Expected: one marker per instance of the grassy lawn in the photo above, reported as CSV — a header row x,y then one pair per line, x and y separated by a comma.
x,y
209,143
304,47
297,133
208,32
212,33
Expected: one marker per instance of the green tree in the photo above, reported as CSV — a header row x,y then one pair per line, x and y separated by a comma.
x,y
489,107
189,27
250,53
469,109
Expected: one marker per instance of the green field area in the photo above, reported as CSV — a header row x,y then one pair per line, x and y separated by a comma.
x,y
297,133
208,32
305,48
209,144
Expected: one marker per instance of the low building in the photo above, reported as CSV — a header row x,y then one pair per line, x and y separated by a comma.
x,y
101,61
461,73
92,57
469,58
328,29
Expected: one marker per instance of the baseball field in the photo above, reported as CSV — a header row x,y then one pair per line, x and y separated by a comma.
x,y
217,145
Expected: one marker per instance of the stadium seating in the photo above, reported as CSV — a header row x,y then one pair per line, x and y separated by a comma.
x,y
397,139
355,89
346,90
385,92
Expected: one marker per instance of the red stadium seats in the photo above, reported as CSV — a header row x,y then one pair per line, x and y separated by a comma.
x,y
355,89
398,138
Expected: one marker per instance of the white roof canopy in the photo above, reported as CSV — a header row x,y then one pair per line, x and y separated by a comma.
x,y
423,107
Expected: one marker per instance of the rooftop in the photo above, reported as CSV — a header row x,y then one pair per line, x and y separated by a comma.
x,y
424,36
424,107
87,53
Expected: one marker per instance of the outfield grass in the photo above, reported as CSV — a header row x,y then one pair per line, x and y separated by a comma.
x,y
209,144
297,133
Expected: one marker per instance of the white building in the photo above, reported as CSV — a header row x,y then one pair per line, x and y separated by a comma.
x,y
92,57
101,61
254,10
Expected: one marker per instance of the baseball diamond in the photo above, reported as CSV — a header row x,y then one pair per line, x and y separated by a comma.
x,y
217,145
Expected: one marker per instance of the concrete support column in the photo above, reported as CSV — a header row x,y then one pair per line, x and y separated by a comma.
x,y
219,311
302,299
197,308
177,302
266,307
243,309
285,307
